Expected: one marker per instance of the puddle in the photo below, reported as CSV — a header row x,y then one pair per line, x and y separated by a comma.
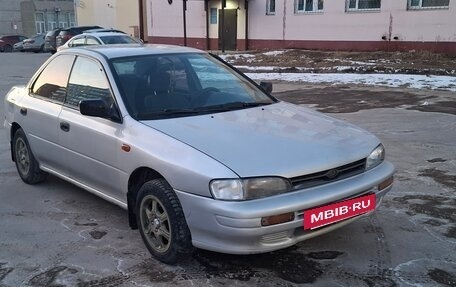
x,y
442,277
96,234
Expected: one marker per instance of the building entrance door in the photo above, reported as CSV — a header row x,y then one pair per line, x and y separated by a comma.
x,y
228,29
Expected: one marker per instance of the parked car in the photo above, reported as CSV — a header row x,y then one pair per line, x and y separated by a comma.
x,y
199,154
18,47
99,38
7,42
34,43
50,41
67,33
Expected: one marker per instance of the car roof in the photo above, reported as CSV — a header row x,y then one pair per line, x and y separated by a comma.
x,y
128,50
103,30
102,34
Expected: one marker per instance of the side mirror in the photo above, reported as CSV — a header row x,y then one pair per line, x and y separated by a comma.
x,y
266,86
98,108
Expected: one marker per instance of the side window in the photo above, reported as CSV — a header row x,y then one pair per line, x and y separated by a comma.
x,y
92,41
52,82
77,42
87,81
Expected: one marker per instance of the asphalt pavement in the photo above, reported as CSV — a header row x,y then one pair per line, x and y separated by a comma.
x,y
56,234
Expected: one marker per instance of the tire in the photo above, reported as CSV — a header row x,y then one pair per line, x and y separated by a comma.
x,y
161,222
8,49
26,164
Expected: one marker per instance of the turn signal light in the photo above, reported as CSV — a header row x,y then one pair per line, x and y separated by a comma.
x,y
385,183
277,219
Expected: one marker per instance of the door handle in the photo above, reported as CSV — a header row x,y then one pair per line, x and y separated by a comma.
x,y
64,126
23,111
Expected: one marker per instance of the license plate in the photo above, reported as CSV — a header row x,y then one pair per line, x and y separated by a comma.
x,y
331,213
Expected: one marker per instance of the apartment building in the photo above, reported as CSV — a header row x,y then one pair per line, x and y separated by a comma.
x,y
360,25
35,17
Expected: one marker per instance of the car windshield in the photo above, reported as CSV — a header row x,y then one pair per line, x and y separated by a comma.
x,y
178,85
118,39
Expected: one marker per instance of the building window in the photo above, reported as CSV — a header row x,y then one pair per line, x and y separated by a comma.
x,y
71,19
270,7
428,4
51,21
40,24
213,16
363,5
62,20
308,6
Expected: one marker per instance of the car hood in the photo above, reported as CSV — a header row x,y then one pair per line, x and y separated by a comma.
x,y
281,139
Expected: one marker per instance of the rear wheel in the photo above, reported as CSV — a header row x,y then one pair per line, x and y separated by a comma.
x,y
26,164
8,49
162,223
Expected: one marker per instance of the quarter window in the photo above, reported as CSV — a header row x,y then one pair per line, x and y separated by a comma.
x,y
270,7
87,81
428,4
308,6
363,5
52,82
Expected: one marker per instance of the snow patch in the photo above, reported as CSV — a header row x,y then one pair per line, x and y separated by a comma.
x,y
387,80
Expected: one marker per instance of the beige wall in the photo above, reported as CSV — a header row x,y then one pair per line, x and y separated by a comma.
x,y
334,24
117,14
165,20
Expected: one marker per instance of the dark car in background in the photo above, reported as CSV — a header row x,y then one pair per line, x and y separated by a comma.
x,y
68,33
50,42
7,42
34,43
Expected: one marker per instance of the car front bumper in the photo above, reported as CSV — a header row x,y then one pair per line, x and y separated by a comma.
x,y
235,227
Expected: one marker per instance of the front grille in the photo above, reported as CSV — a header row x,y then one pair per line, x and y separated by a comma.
x,y
327,176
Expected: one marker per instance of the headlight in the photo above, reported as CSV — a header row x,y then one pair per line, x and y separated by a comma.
x,y
249,188
375,157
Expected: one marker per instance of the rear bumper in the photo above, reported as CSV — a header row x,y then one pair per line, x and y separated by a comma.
x,y
235,227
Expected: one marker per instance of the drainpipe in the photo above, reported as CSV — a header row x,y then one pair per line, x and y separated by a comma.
x,y
141,21
184,7
206,8
223,26
246,4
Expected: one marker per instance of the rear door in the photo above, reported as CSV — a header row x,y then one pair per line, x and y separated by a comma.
x,y
40,112
92,143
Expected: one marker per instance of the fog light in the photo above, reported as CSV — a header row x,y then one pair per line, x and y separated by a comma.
x,y
277,219
385,183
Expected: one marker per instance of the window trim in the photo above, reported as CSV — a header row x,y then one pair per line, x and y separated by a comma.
x,y
348,9
268,8
314,11
420,6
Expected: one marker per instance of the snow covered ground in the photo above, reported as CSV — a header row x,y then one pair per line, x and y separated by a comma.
x,y
370,69
387,80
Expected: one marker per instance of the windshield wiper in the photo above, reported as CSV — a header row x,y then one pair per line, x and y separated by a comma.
x,y
165,113
232,106
168,113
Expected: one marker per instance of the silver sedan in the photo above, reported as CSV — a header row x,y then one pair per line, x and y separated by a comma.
x,y
199,154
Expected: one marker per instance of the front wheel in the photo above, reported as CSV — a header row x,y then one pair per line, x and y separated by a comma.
x,y
26,164
161,222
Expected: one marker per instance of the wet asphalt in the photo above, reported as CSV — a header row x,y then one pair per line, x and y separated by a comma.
x,y
55,234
